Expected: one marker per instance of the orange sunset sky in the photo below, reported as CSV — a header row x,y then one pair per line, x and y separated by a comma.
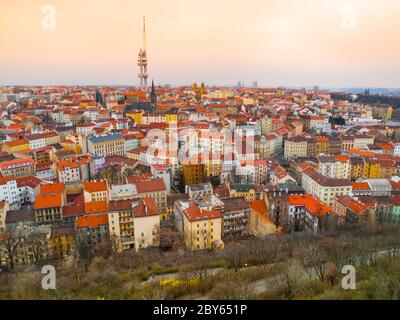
x,y
274,42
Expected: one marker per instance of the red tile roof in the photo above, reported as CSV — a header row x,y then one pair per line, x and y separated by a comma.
x,y
92,221
194,213
17,162
120,205
155,185
361,186
49,200
314,205
95,207
95,186
136,179
29,181
145,208
52,188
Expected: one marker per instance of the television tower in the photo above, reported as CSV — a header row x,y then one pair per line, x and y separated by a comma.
x,y
142,60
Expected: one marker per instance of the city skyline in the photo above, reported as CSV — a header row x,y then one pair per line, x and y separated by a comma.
x,y
276,43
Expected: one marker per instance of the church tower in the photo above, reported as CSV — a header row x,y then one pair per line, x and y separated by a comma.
x,y
153,95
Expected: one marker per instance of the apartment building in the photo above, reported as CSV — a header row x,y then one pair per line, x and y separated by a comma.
x,y
372,187
335,145
15,146
259,222
295,147
357,167
146,222
18,167
193,173
48,208
41,140
122,191
321,145
324,188
95,191
120,220
156,190
85,128
307,212
236,215
361,141
68,171
248,191
202,228
91,231
347,142
275,197
62,240
106,145
199,191
253,171
20,219
338,166
8,189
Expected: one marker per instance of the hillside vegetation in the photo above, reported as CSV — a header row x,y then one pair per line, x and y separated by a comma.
x,y
298,266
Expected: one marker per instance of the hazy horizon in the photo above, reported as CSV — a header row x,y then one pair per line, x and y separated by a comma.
x,y
278,43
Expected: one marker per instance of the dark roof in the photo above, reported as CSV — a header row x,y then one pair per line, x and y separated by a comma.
x,y
291,186
143,168
242,187
235,204
20,215
57,231
120,205
175,197
105,138
147,106
121,160
357,160
327,182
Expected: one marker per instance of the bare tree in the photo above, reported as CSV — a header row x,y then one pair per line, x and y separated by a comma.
x,y
236,257
233,289
85,249
291,277
171,238
38,245
10,245
314,260
110,174
331,273
115,243
201,266
104,249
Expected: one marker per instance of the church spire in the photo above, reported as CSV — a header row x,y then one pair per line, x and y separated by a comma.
x,y
153,95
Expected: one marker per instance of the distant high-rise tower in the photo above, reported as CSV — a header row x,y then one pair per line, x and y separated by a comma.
x,y
142,60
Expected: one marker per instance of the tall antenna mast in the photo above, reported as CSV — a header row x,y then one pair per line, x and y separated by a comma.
x,y
142,60
144,33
